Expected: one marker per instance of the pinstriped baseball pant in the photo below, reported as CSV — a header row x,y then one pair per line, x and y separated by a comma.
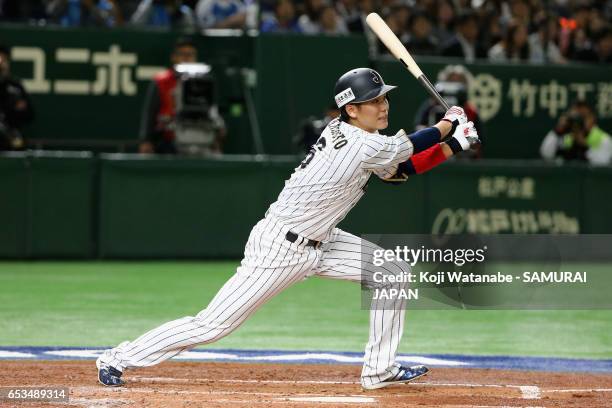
x,y
271,264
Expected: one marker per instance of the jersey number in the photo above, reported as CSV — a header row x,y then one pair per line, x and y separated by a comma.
x,y
316,147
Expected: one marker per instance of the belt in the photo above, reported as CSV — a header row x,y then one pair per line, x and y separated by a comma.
x,y
293,237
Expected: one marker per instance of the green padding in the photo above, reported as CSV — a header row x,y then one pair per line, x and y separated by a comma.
x,y
506,197
62,207
295,78
389,209
13,206
597,200
183,208
179,208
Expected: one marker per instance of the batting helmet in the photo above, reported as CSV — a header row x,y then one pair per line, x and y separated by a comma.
x,y
360,85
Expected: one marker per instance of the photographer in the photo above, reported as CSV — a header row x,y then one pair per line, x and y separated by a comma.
x,y
15,106
577,137
180,114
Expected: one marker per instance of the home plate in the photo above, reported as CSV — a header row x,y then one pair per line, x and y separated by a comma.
x,y
345,400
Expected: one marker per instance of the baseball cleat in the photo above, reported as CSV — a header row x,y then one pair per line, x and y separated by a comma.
x,y
109,376
406,374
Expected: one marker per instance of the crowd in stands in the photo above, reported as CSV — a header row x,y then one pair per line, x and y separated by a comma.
x,y
505,31
185,15
537,31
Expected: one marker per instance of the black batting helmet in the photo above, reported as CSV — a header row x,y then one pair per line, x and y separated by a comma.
x,y
359,85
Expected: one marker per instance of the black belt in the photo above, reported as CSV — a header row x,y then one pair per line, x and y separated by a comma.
x,y
292,237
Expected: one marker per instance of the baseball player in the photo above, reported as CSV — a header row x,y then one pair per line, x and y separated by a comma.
x,y
298,237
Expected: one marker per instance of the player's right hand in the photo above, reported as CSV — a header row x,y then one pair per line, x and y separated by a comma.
x,y
455,113
464,137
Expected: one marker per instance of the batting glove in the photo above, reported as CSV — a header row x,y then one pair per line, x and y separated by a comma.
x,y
465,136
455,115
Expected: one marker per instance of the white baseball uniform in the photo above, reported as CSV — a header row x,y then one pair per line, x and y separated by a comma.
x,y
321,191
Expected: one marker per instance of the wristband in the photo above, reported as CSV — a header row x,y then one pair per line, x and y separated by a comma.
x,y
454,145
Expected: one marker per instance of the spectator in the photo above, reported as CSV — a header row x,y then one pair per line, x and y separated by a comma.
x,y
283,20
421,41
158,129
604,47
453,83
20,10
444,20
395,25
516,11
542,46
492,31
164,14
577,137
71,13
221,13
15,106
330,23
465,42
309,21
348,10
358,24
514,46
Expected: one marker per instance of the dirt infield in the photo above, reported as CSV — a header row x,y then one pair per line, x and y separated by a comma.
x,y
185,384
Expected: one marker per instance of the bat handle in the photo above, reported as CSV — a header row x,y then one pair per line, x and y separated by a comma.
x,y
432,91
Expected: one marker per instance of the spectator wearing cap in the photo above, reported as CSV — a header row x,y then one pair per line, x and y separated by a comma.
x,y
464,43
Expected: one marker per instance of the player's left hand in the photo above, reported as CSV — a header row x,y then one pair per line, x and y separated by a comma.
x,y
464,138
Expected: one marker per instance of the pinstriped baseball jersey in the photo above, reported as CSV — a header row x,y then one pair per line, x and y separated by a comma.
x,y
317,196
332,178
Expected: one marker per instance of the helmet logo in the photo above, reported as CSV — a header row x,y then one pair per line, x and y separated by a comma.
x,y
344,97
375,77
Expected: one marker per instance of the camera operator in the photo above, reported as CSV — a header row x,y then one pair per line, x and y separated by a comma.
x,y
15,106
577,137
453,84
311,128
180,114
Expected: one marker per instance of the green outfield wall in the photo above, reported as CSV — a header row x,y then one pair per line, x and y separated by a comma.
x,y
74,205
88,87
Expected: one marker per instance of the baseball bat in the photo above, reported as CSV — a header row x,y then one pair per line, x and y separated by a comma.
x,y
400,52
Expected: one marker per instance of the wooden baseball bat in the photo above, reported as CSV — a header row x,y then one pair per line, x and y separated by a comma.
x,y
400,52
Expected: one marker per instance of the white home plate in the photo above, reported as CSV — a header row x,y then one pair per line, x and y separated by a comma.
x,y
346,400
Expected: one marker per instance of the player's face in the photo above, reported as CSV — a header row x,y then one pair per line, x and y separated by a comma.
x,y
372,115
